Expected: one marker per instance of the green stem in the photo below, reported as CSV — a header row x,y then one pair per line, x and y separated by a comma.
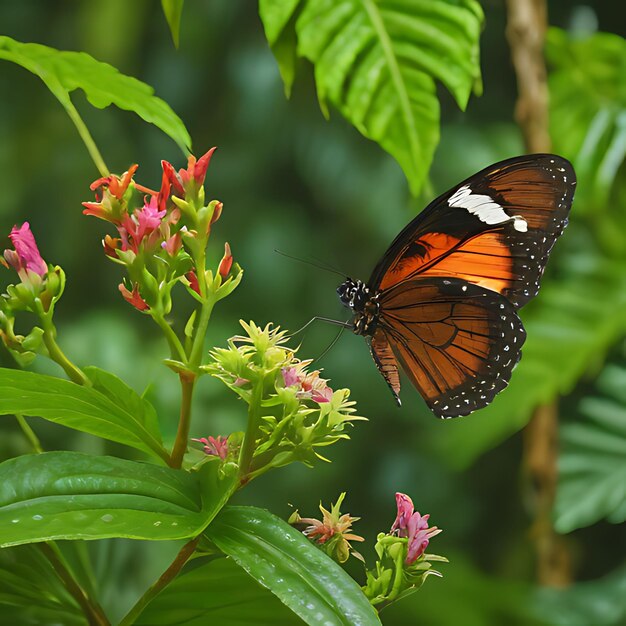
x,y
254,423
176,347
165,579
29,433
56,354
195,357
85,135
182,435
90,607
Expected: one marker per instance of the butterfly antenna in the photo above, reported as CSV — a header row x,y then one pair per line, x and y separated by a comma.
x,y
315,263
331,345
317,318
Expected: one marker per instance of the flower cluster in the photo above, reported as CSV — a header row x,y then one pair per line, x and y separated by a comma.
x,y
402,565
332,532
162,235
294,409
39,289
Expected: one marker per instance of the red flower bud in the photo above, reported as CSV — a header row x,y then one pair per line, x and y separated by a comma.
x,y
226,263
134,297
193,281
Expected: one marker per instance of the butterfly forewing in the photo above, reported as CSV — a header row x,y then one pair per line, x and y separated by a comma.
x,y
495,229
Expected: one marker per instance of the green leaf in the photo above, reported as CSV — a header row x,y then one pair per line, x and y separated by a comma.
x,y
290,566
377,62
82,408
32,593
218,592
69,495
570,326
64,71
588,109
600,602
592,465
173,10
126,398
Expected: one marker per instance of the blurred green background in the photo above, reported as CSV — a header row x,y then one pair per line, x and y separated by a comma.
x,y
293,181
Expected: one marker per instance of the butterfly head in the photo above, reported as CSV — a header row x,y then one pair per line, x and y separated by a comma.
x,y
353,294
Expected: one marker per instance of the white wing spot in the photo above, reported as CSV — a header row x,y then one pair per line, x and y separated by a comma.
x,y
484,208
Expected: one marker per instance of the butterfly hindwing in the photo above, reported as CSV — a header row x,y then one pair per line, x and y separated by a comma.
x,y
495,229
457,342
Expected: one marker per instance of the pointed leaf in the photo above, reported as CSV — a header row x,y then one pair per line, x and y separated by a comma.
x,y
63,72
82,408
173,10
69,495
218,592
288,564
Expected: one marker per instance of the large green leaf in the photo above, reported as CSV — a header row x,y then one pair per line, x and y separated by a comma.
x,y
218,592
588,109
31,593
377,62
63,72
128,420
290,566
592,465
69,495
570,326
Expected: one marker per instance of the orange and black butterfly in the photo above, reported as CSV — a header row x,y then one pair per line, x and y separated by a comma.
x,y
442,302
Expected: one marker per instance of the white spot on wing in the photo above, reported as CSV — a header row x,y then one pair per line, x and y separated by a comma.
x,y
484,208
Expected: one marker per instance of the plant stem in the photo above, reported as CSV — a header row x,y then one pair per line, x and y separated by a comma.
x,y
56,354
176,347
29,433
85,135
249,442
165,579
92,610
182,435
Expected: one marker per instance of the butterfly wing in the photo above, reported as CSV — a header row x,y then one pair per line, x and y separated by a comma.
x,y
495,229
457,342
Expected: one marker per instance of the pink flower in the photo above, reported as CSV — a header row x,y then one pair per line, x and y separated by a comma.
x,y
134,297
214,446
142,227
25,258
322,395
409,523
290,376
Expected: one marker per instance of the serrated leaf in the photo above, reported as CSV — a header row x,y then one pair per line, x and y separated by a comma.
x,y
173,10
377,62
290,566
592,464
218,592
65,71
69,495
82,408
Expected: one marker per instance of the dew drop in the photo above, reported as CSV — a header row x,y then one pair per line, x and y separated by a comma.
x,y
14,521
37,517
107,517
157,523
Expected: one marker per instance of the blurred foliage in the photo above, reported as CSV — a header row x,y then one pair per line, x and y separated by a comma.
x,y
592,465
291,180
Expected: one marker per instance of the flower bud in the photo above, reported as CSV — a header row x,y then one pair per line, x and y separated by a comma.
x,y
226,263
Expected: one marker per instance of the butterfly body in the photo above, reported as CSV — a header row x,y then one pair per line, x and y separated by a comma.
x,y
442,302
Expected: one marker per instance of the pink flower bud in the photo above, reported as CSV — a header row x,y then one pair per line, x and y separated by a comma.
x,y
26,256
214,446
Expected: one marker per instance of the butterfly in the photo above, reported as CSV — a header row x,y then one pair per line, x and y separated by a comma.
x,y
442,302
